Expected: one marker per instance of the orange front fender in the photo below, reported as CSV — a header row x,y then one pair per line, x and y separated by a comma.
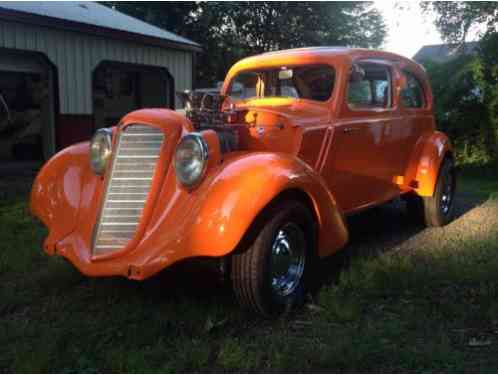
x,y
56,191
223,208
428,155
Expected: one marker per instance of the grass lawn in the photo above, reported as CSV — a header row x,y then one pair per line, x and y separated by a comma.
x,y
420,311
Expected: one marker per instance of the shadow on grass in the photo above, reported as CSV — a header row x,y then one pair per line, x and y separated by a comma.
x,y
382,230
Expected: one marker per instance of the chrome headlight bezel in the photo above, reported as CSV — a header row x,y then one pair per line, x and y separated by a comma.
x,y
196,145
101,150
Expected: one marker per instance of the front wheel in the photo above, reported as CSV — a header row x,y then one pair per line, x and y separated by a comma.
x,y
273,273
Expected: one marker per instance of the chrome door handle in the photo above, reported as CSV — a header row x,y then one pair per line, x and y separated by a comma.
x,y
350,130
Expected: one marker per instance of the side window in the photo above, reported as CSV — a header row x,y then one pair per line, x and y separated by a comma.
x,y
360,93
412,96
369,86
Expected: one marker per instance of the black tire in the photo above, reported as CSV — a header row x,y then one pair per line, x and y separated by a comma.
x,y
438,210
255,267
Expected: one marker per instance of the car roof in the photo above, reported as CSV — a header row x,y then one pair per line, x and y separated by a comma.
x,y
324,54
324,51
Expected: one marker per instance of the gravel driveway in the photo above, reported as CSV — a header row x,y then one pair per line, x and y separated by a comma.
x,y
389,228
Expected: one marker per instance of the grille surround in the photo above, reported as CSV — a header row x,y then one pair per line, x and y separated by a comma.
x,y
129,180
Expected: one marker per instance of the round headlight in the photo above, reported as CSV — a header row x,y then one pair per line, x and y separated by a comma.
x,y
191,159
100,150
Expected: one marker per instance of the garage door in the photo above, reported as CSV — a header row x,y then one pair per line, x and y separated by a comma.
x,y
27,101
120,88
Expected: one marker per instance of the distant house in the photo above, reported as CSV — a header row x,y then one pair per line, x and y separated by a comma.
x,y
441,53
68,68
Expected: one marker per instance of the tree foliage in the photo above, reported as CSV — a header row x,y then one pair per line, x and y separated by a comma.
x,y
466,89
454,19
459,107
229,31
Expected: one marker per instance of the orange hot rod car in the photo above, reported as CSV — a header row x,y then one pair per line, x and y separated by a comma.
x,y
261,175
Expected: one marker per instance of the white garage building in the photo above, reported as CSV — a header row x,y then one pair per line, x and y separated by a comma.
x,y
68,68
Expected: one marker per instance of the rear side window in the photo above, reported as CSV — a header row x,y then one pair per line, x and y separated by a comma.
x,y
369,86
412,96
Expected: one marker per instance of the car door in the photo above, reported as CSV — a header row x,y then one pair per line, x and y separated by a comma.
x,y
356,166
416,119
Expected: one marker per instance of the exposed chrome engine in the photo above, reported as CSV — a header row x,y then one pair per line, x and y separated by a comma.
x,y
204,110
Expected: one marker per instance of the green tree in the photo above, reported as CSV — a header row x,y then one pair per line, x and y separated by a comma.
x,y
229,31
454,19
173,16
477,123
459,106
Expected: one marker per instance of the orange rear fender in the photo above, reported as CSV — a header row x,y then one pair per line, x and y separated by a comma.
x,y
428,155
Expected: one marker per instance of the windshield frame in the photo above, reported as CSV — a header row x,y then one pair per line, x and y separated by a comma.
x,y
276,68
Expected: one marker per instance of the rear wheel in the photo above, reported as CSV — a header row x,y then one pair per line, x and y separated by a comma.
x,y
437,211
272,274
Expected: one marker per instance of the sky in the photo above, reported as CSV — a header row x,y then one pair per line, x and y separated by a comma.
x,y
407,28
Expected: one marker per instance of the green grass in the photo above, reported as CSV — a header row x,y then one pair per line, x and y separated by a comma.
x,y
416,312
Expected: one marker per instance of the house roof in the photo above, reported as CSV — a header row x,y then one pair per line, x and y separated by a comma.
x,y
93,18
444,52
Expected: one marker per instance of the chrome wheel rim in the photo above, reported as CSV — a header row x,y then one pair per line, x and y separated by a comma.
x,y
447,195
287,259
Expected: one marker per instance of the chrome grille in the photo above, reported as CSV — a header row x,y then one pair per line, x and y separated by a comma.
x,y
136,153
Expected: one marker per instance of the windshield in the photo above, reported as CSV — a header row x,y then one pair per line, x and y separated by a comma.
x,y
303,82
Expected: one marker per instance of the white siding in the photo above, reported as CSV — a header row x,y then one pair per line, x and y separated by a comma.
x,y
76,55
